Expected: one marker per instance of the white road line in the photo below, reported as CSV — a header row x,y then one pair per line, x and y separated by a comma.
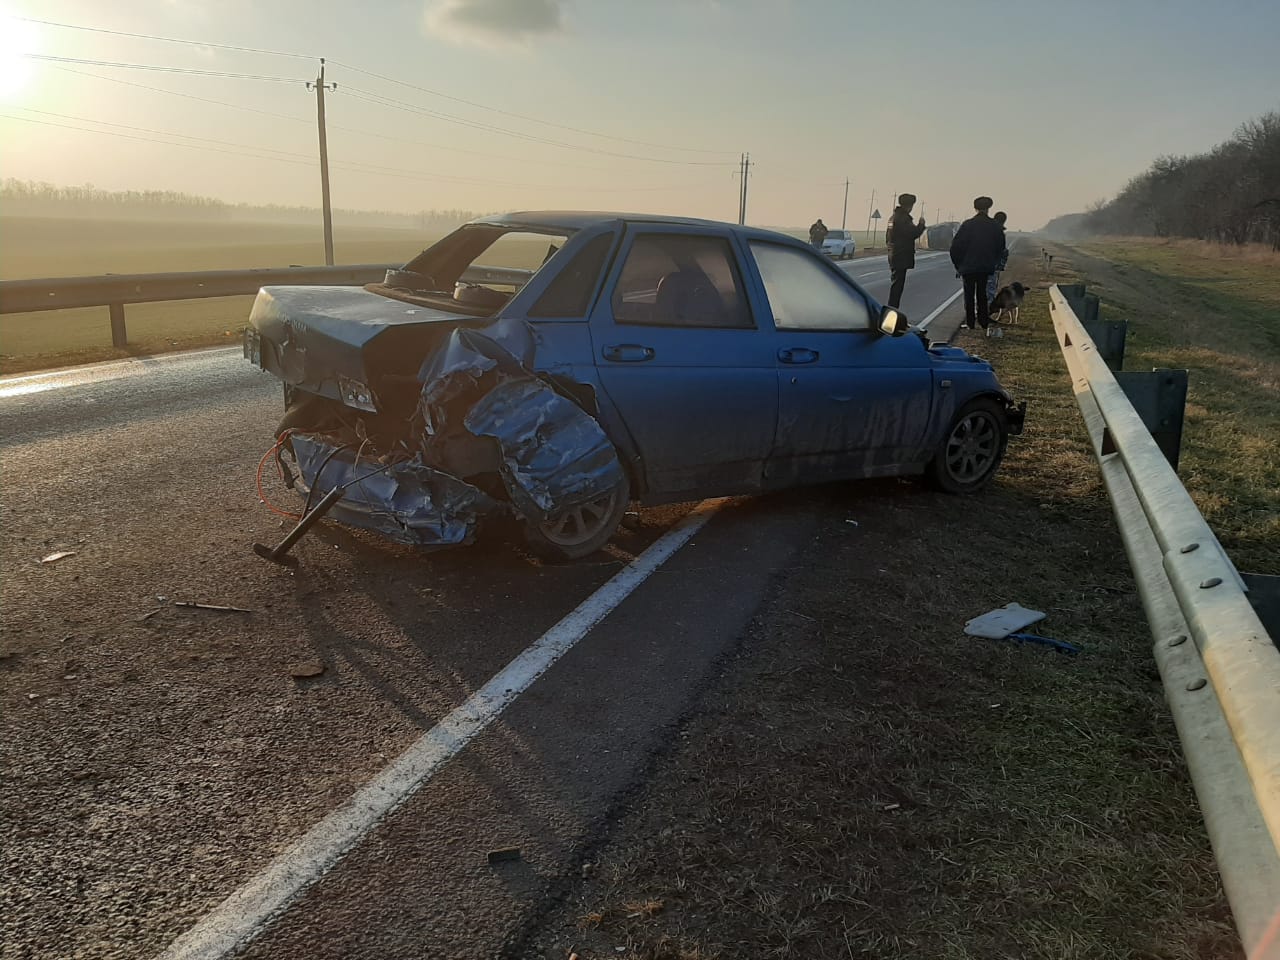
x,y
924,324
244,915
99,372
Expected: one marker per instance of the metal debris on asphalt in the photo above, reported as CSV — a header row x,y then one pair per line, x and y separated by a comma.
x,y
209,606
59,555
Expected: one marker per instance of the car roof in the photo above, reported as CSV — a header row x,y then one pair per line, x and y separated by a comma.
x,y
582,219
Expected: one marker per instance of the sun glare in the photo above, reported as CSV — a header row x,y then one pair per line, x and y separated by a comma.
x,y
16,69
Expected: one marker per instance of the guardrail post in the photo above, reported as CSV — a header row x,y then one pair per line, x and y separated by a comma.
x,y
1264,597
1160,398
1109,337
118,338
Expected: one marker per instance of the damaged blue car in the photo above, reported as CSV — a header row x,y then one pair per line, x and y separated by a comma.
x,y
553,366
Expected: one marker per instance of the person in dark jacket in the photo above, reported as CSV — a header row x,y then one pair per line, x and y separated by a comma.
x,y
818,233
975,251
901,237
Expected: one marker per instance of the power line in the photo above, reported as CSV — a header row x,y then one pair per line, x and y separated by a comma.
x,y
169,143
350,166
520,116
167,133
148,36
491,128
161,69
332,126
378,76
186,96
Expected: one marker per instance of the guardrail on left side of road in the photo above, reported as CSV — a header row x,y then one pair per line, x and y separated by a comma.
x,y
115,290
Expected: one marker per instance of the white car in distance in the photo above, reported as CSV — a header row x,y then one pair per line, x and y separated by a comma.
x,y
839,245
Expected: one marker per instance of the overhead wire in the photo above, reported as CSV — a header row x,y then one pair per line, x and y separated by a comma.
x,y
381,100
160,68
377,76
310,121
149,36
265,153
520,116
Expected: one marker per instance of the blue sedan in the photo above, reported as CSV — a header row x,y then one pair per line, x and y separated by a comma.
x,y
601,357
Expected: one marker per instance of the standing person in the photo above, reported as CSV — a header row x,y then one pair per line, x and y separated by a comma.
x,y
994,283
818,233
901,237
975,251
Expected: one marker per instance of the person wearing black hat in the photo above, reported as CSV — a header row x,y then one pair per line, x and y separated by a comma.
x,y
976,250
901,236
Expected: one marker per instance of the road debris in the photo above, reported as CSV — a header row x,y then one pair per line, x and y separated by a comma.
x,y
307,669
999,623
59,555
209,606
504,855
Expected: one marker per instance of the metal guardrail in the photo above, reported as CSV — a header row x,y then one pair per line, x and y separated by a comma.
x,y
115,290
1219,666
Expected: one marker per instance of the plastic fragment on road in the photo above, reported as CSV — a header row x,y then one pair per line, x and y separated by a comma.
x,y
999,623
59,555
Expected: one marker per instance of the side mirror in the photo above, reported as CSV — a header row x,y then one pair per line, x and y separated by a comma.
x,y
893,323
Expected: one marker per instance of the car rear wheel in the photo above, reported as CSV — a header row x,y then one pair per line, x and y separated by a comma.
x,y
580,531
971,451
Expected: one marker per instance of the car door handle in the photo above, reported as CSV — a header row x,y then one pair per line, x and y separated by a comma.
x,y
797,355
628,353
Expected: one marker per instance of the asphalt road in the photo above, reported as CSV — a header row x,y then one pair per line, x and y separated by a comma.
x,y
157,759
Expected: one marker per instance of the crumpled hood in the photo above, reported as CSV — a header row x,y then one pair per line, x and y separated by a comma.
x,y
317,337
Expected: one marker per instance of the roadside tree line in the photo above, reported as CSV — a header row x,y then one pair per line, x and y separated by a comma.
x,y
1231,194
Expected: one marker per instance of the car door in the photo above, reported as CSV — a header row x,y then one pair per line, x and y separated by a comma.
x,y
680,356
852,401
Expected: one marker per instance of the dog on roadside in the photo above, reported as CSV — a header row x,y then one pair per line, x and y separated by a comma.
x,y
1008,301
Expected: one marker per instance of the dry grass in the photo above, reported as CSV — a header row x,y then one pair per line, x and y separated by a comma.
x,y
1217,318
1256,253
53,247
868,782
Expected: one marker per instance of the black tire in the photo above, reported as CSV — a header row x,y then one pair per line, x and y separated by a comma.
x,y
580,532
970,453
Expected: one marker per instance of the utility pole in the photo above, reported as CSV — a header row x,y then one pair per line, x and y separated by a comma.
x,y
870,207
742,191
845,216
320,88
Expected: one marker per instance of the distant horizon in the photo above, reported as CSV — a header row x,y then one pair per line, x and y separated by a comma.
x,y
223,204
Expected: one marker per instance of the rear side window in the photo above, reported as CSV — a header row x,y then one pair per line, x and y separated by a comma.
x,y
678,280
569,294
803,294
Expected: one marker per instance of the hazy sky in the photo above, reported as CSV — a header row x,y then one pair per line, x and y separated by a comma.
x,y
1046,106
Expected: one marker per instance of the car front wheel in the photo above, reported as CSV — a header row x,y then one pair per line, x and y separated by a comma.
x,y
580,531
970,452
